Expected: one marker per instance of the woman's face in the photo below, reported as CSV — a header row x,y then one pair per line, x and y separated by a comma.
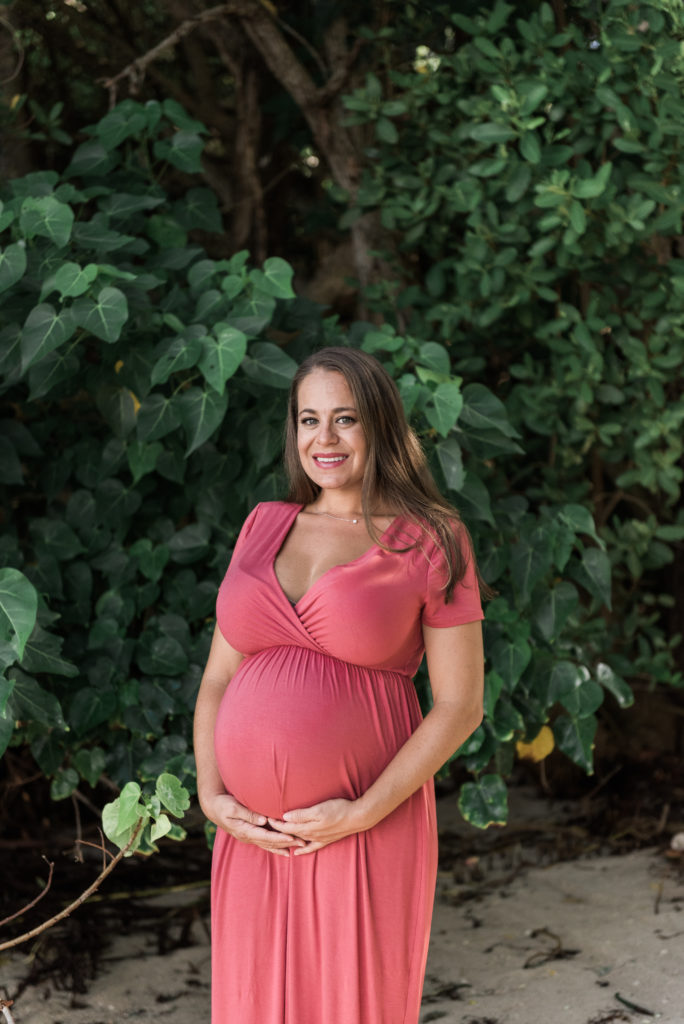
x,y
331,443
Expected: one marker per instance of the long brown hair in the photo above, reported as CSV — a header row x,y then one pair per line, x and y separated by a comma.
x,y
396,477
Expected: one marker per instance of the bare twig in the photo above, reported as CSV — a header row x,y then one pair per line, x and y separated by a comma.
x,y
81,899
19,47
135,71
105,852
33,902
79,830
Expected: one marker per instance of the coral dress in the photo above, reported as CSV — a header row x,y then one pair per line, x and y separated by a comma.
x,y
321,703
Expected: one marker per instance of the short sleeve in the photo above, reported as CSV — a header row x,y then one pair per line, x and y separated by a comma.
x,y
245,529
465,604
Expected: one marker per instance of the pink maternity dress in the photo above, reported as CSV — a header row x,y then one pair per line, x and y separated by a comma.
x,y
321,703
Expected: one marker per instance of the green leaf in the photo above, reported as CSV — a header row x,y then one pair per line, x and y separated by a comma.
x,y
91,157
90,764
47,217
12,264
44,331
181,353
190,543
222,355
6,732
492,691
533,94
378,341
151,560
142,458
29,701
43,654
52,369
199,209
530,148
253,314
445,406
578,218
580,520
275,279
128,806
435,357
157,416
615,684
484,411
126,120
104,318
118,407
530,560
590,188
551,608
509,658
594,573
518,183
6,687
386,131
573,687
172,794
201,413
72,280
575,737
451,460
183,150
160,828
56,538
268,364
474,499
485,802
18,608
64,783
491,133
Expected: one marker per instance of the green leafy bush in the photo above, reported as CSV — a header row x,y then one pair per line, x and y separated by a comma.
x,y
526,168
143,399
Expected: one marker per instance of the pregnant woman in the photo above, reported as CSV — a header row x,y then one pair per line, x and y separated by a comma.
x,y
312,757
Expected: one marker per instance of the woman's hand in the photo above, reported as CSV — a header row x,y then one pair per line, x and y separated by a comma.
x,y
247,826
321,824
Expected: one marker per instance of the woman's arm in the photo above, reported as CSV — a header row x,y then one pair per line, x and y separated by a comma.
x,y
456,667
218,805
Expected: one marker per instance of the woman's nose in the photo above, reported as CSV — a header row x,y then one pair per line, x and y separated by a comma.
x,y
326,432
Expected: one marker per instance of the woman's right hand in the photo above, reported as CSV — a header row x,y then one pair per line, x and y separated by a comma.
x,y
247,826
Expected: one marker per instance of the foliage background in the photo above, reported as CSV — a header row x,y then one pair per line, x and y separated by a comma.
x,y
490,200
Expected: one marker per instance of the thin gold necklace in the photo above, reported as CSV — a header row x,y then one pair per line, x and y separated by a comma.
x,y
331,516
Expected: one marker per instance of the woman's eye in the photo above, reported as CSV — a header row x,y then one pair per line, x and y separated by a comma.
x,y
346,419
307,421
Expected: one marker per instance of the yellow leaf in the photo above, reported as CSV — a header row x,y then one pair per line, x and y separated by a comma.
x,y
136,401
117,365
15,99
540,747
271,8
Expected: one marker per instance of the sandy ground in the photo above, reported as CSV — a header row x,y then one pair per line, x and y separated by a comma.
x,y
593,940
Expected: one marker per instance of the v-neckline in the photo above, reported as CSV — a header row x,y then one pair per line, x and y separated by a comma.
x,y
289,523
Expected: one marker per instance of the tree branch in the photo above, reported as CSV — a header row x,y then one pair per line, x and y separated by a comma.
x,y
81,899
135,71
37,899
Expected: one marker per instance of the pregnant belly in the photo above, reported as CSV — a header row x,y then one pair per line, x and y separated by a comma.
x,y
296,727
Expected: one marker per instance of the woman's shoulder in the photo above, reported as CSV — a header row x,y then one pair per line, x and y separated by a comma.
x,y
419,532
273,509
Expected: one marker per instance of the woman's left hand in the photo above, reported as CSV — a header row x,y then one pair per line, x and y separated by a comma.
x,y
321,824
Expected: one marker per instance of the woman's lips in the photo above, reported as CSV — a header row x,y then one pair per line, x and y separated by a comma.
x,y
329,461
